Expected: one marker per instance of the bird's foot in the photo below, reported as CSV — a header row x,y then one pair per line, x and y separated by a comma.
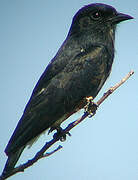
x,y
51,130
61,134
90,107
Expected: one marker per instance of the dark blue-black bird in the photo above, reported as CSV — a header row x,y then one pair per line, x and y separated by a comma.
x,y
78,70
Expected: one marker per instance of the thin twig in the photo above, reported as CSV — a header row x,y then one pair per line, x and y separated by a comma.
x,y
112,89
41,153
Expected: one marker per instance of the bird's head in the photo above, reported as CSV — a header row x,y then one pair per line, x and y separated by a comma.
x,y
98,17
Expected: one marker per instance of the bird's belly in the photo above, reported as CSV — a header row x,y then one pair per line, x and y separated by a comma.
x,y
60,120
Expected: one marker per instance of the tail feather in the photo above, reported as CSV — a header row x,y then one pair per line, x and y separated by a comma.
x,y
12,160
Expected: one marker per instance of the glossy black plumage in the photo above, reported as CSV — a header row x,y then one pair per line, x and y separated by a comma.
x,y
79,69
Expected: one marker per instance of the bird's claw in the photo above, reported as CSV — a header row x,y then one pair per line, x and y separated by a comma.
x,y
90,107
50,130
61,134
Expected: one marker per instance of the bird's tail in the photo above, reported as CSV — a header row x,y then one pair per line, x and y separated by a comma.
x,y
11,161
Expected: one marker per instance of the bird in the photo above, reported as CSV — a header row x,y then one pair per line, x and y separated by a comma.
x,y
78,70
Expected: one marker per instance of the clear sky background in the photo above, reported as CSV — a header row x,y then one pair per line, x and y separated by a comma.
x,y
102,148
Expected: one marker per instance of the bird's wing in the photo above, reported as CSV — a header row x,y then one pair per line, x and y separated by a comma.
x,y
65,54
63,92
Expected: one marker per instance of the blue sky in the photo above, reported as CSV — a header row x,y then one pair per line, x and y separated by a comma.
x,y
102,148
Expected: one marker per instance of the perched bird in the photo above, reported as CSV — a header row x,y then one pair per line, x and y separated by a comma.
x,y
78,70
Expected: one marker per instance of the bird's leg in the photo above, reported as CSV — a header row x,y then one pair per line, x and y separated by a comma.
x,y
90,107
51,130
61,134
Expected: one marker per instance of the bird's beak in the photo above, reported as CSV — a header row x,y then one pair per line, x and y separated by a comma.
x,y
120,17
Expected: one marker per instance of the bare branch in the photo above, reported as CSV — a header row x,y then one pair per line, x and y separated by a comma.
x,y
112,89
41,153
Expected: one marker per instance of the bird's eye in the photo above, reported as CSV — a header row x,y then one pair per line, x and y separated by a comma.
x,y
96,15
